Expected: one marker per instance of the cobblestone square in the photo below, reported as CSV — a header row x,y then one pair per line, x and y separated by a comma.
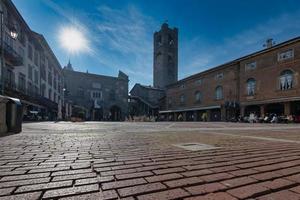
x,y
142,161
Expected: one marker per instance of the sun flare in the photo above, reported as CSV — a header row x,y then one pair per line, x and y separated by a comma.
x,y
73,40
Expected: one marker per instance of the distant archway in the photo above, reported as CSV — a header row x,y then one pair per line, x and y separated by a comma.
x,y
252,109
115,113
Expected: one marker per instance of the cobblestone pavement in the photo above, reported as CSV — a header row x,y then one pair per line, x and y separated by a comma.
x,y
141,161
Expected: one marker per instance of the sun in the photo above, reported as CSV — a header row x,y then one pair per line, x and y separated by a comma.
x,y
73,40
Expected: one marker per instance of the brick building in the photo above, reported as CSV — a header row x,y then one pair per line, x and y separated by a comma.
x,y
263,82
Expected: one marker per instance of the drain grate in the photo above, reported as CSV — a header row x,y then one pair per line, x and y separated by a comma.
x,y
195,146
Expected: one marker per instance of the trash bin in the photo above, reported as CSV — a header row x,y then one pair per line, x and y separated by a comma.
x,y
14,115
3,126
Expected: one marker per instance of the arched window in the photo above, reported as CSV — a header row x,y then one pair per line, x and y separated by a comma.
x,y
286,80
251,86
182,99
198,96
219,93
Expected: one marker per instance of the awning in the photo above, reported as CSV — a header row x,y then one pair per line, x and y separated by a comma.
x,y
190,109
7,98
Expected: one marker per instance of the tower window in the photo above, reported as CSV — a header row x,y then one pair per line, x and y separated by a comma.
x,y
159,40
171,40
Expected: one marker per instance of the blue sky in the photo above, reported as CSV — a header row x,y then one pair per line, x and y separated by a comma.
x,y
211,32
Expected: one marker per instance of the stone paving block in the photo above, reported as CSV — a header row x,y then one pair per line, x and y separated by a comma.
x,y
74,176
236,182
91,196
109,194
6,191
71,172
43,186
205,188
134,175
25,196
281,195
165,195
24,182
71,191
123,183
25,176
183,182
164,177
213,196
140,189
248,191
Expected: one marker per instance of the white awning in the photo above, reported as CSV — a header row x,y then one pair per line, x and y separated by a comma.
x,y
190,109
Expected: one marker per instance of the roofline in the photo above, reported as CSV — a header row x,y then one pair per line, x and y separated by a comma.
x,y
230,63
43,40
100,75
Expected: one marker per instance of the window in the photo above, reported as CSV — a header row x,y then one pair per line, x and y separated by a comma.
x,y
171,40
112,95
251,85
80,92
199,82
182,99
250,66
36,58
198,96
169,102
49,78
96,85
49,94
43,88
22,82
97,95
159,40
219,76
30,52
36,80
219,93
30,72
286,55
286,80
182,86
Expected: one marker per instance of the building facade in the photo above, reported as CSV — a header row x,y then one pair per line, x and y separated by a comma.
x,y
144,100
165,57
97,97
264,82
26,59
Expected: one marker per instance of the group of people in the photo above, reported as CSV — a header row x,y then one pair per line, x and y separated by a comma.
x,y
267,118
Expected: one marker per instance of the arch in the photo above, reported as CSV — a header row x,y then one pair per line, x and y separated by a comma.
x,y
219,92
286,79
251,86
252,109
115,113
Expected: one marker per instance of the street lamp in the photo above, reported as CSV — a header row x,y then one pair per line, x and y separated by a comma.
x,y
13,34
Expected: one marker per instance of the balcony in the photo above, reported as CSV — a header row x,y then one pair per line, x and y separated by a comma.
x,y
29,95
11,56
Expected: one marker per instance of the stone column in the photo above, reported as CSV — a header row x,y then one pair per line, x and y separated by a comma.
x,y
208,115
3,126
287,108
242,111
262,110
223,113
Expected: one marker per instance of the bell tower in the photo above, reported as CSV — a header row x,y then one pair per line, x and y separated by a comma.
x,y
165,65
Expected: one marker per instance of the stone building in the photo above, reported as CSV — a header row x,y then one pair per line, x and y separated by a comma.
x,y
165,57
27,58
99,97
263,82
145,100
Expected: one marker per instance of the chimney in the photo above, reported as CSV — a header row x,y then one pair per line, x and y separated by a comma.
x,y
269,43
